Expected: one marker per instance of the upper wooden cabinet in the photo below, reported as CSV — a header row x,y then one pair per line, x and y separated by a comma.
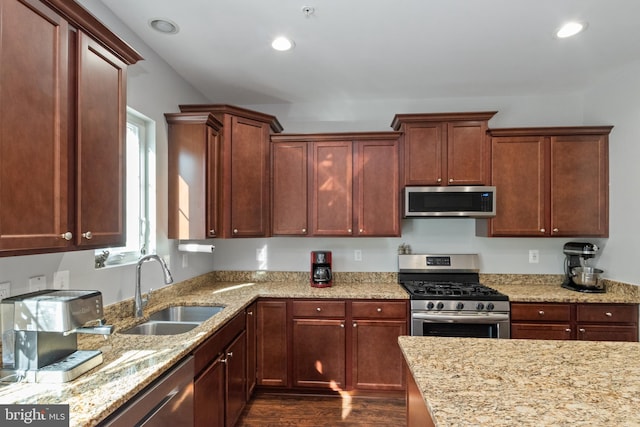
x,y
445,148
551,182
62,128
342,184
244,169
194,175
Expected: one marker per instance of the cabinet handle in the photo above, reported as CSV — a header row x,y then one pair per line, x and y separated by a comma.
x,y
67,236
541,312
542,230
608,314
379,310
555,230
439,180
212,232
318,309
88,235
235,231
582,330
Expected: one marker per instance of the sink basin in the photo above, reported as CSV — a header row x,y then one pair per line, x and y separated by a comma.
x,y
186,313
174,320
153,327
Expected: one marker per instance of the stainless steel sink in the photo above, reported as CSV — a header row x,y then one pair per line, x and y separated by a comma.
x,y
153,327
186,313
174,320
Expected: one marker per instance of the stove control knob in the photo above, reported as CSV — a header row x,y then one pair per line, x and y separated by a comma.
x,y
490,306
440,306
459,306
480,306
429,305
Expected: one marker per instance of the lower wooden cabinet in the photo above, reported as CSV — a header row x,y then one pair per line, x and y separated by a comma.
x,y
581,321
251,348
332,344
220,382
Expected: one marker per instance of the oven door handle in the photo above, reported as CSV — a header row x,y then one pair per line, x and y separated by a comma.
x,y
477,318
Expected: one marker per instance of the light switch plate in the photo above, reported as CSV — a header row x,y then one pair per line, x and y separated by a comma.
x,y
534,256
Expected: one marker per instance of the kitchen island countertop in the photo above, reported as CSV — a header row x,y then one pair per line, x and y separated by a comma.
x,y
481,382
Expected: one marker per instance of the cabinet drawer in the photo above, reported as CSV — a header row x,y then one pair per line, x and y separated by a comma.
x,y
319,308
605,313
541,331
541,312
379,309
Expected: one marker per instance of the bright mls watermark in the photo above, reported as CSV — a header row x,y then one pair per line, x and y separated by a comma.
x,y
34,415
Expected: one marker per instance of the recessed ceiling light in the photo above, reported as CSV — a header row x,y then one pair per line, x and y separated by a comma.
x,y
282,44
570,29
164,26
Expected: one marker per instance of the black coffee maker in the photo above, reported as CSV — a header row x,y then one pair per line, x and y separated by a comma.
x,y
321,276
578,275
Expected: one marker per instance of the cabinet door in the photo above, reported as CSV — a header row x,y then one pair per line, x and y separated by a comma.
x,y
101,128
332,192
249,142
423,153
519,172
377,358
209,395
541,331
213,181
378,191
236,379
34,137
467,153
579,185
271,341
319,353
251,349
289,188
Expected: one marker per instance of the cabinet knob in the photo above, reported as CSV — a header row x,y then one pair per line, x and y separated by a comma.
x,y
355,325
542,230
349,230
230,354
67,236
608,314
88,235
361,230
555,230
567,330
212,232
541,312
439,180
235,231
450,179
304,230
582,330
318,309
342,325
379,309
250,313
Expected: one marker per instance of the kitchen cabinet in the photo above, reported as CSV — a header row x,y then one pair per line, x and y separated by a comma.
x,y
334,344
62,180
582,321
194,175
220,382
445,148
377,360
319,344
244,202
272,343
342,184
551,182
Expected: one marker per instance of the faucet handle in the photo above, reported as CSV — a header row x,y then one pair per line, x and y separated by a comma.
x,y
146,300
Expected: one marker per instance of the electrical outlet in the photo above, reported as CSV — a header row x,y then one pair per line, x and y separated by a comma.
x,y
357,255
37,283
534,256
61,279
5,290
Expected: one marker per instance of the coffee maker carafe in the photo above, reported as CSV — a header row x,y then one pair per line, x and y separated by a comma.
x,y
321,276
578,275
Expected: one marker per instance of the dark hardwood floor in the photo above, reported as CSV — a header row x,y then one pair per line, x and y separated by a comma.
x,y
268,409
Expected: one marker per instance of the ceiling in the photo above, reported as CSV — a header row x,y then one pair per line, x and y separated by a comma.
x,y
359,50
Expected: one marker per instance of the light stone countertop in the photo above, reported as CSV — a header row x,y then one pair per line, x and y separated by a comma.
x,y
482,382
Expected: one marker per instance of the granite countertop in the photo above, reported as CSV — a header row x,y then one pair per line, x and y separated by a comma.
x,y
131,362
480,382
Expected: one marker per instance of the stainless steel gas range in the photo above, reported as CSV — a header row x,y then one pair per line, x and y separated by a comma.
x,y
447,298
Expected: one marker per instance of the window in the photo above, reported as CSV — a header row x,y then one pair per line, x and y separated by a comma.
x,y
140,194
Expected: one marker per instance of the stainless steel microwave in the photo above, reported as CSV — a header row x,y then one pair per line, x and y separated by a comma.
x,y
471,201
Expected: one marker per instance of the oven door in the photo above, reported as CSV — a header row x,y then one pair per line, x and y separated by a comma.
x,y
441,324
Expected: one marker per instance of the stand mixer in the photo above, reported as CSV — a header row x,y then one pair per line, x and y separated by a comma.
x,y
578,275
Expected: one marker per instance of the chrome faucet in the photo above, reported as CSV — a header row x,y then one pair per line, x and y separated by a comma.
x,y
139,302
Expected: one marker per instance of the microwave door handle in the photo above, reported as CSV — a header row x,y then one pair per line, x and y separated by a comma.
x,y
479,318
